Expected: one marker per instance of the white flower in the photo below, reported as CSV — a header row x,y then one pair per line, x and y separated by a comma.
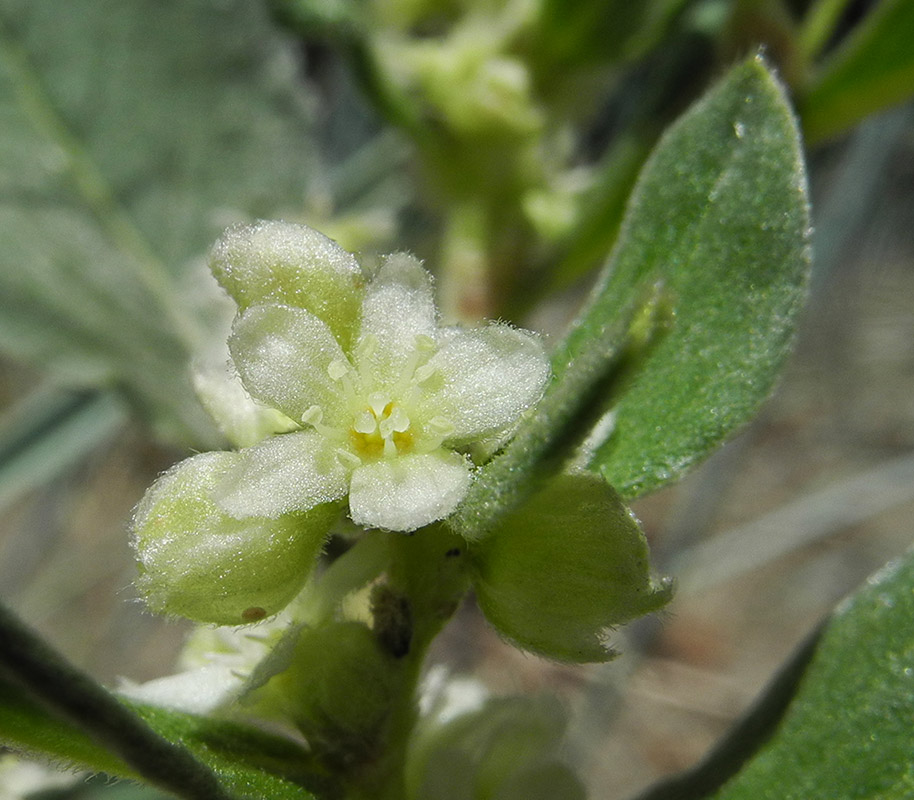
x,y
384,413
383,403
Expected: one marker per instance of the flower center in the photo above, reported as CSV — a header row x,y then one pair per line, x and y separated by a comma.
x,y
381,429
383,423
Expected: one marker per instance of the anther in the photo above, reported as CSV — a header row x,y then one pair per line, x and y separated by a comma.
x,y
365,422
337,369
423,373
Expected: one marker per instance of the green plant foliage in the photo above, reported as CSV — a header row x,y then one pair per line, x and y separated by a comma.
x,y
131,135
872,70
249,763
558,572
717,226
585,32
338,688
848,732
26,727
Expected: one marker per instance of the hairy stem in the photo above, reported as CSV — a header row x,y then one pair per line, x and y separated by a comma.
x,y
429,578
47,676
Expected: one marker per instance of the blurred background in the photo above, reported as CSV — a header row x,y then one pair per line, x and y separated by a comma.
x,y
133,135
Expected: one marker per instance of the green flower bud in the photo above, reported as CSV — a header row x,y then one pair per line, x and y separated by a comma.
x,y
195,561
338,689
564,568
290,264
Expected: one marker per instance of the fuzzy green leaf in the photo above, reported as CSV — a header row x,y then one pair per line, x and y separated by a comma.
x,y
715,244
26,727
132,134
571,562
848,730
50,709
249,763
872,70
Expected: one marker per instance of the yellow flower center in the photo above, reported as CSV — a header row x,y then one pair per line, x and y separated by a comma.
x,y
381,429
381,425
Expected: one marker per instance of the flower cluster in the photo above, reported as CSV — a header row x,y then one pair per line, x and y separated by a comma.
x,y
354,389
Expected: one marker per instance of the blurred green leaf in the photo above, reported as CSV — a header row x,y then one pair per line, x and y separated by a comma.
x,y
582,32
563,568
848,732
714,248
871,70
133,133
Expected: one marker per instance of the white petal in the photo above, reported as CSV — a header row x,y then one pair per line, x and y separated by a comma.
x,y
197,691
241,418
282,262
282,474
283,355
486,378
405,493
398,307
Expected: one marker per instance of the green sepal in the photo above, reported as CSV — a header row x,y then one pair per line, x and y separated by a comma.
x,y
283,262
195,561
569,564
338,689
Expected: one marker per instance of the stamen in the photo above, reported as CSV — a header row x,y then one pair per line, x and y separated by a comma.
x,y
437,429
314,417
340,370
425,344
423,373
366,348
377,402
399,419
441,425
365,422
423,347
337,369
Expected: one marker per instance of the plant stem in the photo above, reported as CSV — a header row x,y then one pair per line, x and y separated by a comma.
x,y
465,292
428,570
47,676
